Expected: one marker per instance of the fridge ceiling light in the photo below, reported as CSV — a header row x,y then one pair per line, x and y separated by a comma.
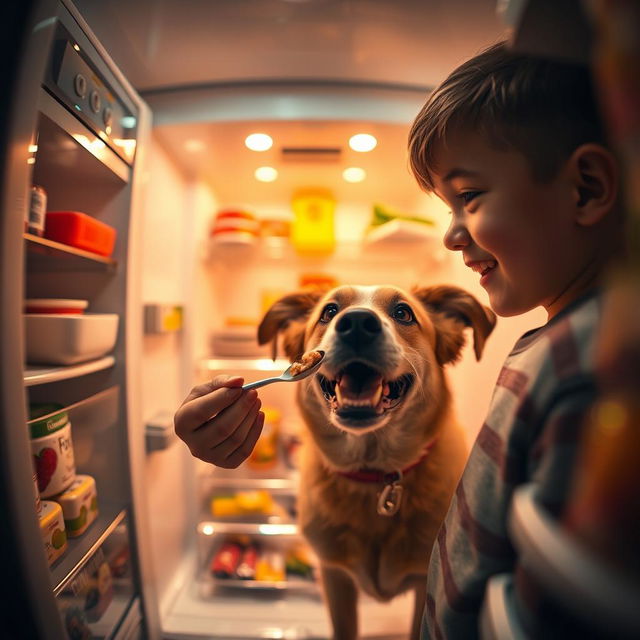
x,y
362,142
354,174
258,142
266,174
208,530
193,145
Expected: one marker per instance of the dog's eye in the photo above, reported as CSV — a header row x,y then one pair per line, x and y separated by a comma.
x,y
328,312
402,313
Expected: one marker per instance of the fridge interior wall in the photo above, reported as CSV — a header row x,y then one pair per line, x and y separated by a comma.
x,y
179,267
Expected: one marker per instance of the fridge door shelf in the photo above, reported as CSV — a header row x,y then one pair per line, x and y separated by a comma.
x,y
592,590
35,375
48,255
81,549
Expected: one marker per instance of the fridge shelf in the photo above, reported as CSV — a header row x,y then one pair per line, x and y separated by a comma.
x,y
209,585
287,486
49,255
34,375
277,530
243,364
575,577
82,548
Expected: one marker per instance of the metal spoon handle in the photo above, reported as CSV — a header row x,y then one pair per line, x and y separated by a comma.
x,y
261,383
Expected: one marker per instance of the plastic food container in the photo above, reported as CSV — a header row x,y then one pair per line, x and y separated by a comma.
x,y
55,305
235,226
81,231
313,224
52,448
52,530
79,505
68,339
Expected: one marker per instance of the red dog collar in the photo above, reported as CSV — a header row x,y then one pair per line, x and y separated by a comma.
x,y
386,477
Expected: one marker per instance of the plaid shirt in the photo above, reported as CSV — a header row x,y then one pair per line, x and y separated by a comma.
x,y
534,423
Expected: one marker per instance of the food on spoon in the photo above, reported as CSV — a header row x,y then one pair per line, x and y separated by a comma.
x,y
305,361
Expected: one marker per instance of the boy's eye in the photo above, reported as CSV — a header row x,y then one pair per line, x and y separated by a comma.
x,y
468,196
403,314
328,312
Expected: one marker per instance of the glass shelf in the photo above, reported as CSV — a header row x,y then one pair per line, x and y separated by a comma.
x,y
34,375
48,255
243,364
82,548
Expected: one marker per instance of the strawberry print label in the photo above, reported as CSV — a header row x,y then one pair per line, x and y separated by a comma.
x,y
54,461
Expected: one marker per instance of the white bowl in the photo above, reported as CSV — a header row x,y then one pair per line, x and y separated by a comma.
x,y
67,339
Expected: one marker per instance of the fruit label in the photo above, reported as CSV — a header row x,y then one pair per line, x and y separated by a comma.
x,y
54,461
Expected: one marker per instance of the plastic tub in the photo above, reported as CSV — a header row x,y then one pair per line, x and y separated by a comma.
x,y
81,231
69,339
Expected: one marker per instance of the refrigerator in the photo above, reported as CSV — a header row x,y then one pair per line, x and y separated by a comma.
x,y
156,170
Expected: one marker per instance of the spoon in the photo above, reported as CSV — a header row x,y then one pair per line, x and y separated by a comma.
x,y
286,375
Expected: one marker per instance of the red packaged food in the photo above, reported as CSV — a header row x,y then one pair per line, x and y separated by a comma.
x,y
226,560
81,231
247,568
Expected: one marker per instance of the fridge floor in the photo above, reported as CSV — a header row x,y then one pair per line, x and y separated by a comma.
x,y
288,616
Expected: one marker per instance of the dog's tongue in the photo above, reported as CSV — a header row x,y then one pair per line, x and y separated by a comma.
x,y
357,387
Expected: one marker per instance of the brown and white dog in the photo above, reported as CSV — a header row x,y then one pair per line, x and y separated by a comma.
x,y
383,452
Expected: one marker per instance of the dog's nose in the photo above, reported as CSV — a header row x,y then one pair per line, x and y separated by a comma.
x,y
358,327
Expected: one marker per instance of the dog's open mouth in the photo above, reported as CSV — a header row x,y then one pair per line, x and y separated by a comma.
x,y
359,393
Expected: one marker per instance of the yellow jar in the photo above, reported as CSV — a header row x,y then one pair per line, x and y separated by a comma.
x,y
313,231
265,453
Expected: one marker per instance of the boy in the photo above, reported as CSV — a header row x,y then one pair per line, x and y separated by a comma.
x,y
514,145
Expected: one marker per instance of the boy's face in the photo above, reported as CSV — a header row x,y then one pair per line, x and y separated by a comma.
x,y
517,233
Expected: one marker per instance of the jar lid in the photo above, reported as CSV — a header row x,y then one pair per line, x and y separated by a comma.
x,y
46,419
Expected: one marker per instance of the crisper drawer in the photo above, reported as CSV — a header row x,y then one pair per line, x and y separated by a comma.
x,y
250,557
97,594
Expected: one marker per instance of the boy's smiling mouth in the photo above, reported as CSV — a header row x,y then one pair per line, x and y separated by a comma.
x,y
482,266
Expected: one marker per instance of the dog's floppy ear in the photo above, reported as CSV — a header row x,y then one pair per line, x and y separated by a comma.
x,y
452,309
288,315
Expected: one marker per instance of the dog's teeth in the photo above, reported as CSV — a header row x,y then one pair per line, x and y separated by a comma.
x,y
338,394
376,396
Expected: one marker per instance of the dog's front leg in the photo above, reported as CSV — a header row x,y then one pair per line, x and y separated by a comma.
x,y
418,610
341,595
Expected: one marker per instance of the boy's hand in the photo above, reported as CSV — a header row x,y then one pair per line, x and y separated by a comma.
x,y
219,422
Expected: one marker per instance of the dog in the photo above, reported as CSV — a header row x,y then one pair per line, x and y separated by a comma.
x,y
382,454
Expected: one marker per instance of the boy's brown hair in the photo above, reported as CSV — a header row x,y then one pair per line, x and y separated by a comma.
x,y
542,108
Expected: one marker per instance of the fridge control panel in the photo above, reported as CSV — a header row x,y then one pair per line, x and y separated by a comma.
x,y
90,97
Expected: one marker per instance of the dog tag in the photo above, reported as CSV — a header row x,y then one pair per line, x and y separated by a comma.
x,y
389,499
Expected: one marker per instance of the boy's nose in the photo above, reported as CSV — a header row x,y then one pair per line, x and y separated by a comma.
x,y
456,237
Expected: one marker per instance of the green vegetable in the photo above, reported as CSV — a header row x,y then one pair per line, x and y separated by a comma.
x,y
382,214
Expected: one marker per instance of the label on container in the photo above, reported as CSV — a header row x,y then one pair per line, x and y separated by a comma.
x,y
54,461
54,536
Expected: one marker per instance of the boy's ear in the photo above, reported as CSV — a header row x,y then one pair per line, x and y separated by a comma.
x,y
595,175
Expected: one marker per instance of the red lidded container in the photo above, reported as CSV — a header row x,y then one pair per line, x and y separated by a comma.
x,y
81,231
